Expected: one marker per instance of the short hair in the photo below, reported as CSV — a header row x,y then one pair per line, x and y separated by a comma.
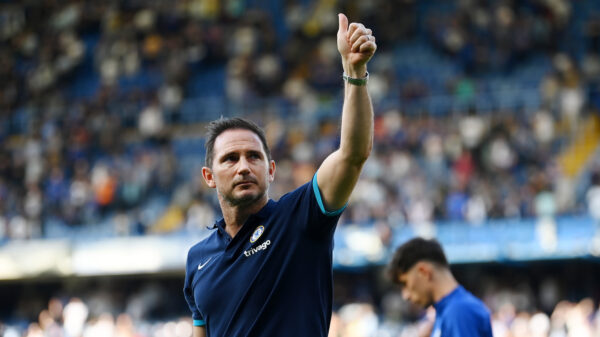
x,y
217,127
413,251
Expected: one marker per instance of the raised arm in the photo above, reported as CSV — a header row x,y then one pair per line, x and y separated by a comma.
x,y
340,170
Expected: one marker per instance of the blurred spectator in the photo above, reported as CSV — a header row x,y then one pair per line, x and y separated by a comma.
x,y
151,124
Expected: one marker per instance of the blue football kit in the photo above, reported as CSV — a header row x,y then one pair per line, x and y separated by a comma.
x,y
461,314
273,278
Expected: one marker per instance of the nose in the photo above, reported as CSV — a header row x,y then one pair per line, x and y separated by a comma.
x,y
243,166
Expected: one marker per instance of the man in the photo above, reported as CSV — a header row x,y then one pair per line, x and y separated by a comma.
x,y
421,269
266,270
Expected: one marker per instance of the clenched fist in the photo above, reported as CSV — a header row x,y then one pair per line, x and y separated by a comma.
x,y
356,45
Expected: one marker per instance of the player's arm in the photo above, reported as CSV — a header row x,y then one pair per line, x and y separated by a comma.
x,y
339,172
199,331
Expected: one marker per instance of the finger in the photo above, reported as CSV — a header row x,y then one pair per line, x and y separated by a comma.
x,y
368,47
361,40
352,29
360,31
343,24
369,31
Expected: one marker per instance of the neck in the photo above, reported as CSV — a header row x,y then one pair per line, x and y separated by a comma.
x,y
236,215
445,284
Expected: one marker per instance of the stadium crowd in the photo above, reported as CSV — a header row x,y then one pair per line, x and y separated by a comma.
x,y
568,319
92,110
101,314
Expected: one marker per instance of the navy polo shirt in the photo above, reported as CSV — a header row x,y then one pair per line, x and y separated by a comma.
x,y
461,314
274,278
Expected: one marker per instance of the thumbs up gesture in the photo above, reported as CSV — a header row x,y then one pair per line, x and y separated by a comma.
x,y
356,45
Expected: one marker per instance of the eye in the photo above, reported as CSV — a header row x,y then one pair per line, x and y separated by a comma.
x,y
229,158
255,155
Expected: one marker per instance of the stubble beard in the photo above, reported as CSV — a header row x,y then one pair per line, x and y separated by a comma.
x,y
246,200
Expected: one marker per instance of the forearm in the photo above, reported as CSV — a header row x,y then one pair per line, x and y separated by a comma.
x,y
357,120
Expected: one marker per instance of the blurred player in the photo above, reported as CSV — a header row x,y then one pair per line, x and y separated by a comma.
x,y
421,269
266,270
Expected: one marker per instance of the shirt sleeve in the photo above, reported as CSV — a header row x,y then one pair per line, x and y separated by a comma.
x,y
321,222
188,293
317,193
308,211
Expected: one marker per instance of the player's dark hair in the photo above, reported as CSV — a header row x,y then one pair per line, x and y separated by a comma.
x,y
413,251
217,127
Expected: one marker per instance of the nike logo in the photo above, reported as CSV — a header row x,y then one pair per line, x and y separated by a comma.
x,y
200,266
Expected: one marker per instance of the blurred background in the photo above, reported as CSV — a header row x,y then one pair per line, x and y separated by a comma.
x,y
486,137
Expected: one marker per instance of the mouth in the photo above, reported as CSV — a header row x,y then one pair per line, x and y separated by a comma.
x,y
244,183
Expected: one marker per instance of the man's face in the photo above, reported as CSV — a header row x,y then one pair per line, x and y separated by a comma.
x,y
241,171
415,284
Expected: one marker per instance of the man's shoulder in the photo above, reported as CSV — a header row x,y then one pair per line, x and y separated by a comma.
x,y
209,243
466,315
294,195
467,304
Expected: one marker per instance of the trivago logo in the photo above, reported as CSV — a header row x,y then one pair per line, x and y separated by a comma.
x,y
262,246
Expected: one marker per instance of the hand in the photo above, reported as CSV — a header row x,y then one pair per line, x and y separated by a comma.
x,y
356,45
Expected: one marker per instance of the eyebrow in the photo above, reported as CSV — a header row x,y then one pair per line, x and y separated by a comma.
x,y
237,153
256,152
227,154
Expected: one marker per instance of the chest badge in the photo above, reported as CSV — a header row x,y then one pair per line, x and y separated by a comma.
x,y
257,233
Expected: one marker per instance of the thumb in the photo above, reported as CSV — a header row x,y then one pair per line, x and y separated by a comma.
x,y
343,28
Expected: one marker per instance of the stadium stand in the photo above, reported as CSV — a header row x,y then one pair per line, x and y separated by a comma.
x,y
487,133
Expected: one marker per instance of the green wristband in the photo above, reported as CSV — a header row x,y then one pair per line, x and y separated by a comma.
x,y
356,81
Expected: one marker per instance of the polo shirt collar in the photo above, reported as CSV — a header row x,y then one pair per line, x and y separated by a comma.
x,y
220,225
266,210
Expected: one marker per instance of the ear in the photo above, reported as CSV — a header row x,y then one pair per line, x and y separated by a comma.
x,y
425,270
208,177
271,171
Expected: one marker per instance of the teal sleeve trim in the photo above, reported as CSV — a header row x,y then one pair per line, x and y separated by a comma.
x,y
199,322
320,200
